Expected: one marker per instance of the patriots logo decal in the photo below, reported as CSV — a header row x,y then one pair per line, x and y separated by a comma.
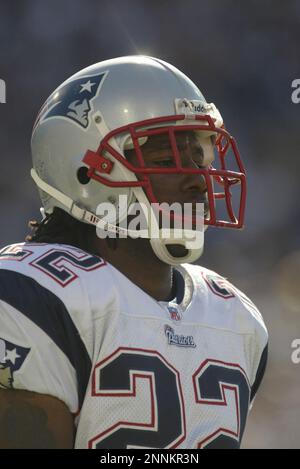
x,y
12,357
73,100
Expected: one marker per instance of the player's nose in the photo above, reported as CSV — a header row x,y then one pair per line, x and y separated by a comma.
x,y
194,182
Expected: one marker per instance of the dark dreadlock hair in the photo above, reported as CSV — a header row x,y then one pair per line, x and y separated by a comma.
x,y
59,227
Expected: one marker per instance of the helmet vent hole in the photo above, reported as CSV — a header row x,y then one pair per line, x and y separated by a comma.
x,y
82,176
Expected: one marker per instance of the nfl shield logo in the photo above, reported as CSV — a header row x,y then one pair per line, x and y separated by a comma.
x,y
174,313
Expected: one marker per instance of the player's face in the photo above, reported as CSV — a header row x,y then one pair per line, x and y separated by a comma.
x,y
196,151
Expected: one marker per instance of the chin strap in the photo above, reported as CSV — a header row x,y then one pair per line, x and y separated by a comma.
x,y
160,248
73,209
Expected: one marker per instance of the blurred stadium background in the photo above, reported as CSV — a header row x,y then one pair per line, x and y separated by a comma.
x,y
243,56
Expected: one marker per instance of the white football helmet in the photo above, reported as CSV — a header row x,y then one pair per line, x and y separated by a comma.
x,y
86,125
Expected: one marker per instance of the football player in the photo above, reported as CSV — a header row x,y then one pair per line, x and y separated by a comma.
x,y
110,336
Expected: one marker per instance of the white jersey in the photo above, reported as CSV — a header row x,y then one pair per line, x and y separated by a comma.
x,y
135,372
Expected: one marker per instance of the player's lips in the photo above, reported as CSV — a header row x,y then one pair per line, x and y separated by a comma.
x,y
198,200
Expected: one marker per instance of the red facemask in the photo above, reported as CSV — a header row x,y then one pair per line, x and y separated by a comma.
x,y
224,210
